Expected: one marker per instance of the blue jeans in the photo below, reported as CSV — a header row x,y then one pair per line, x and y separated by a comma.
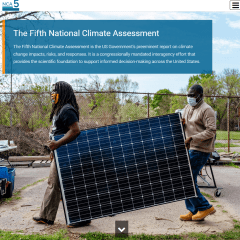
x,y
198,160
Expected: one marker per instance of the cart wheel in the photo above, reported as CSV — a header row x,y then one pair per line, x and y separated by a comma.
x,y
217,193
9,191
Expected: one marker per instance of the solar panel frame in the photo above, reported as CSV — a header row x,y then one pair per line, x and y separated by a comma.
x,y
133,191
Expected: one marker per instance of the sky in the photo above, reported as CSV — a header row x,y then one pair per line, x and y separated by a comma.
x,y
226,45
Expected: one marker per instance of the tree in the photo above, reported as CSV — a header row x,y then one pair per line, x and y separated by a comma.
x,y
178,102
31,105
211,85
103,100
132,111
228,84
230,80
34,15
161,103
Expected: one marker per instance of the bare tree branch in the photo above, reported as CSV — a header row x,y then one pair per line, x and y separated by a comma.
x,y
24,16
60,13
7,13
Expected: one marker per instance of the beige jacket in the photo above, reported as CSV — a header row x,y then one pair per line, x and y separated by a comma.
x,y
200,124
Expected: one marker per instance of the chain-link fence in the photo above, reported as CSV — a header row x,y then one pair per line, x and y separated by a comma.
x,y
24,116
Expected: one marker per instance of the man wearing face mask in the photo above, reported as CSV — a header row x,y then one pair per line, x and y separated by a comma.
x,y
200,130
64,117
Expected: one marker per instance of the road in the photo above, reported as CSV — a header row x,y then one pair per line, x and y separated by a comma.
x,y
25,176
18,214
228,178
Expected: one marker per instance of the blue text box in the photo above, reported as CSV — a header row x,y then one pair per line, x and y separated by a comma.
x,y
108,46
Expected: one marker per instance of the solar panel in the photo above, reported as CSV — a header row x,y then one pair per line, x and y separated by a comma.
x,y
124,167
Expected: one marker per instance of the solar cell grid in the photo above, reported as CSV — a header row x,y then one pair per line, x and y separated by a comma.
x,y
124,167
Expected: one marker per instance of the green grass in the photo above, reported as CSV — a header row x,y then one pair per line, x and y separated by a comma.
x,y
63,235
8,235
223,135
206,195
237,226
232,165
103,236
232,234
224,211
220,150
14,197
235,152
225,145
28,185
209,196
219,205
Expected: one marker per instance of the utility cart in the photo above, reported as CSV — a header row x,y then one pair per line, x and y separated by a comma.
x,y
7,175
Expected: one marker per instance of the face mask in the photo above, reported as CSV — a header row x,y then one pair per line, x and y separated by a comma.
x,y
54,95
54,98
191,101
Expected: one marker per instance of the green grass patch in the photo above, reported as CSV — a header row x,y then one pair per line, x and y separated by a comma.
x,y
213,201
224,211
8,235
225,145
220,150
63,235
29,185
206,195
198,236
14,197
237,226
232,165
219,205
105,236
223,135
232,234
234,220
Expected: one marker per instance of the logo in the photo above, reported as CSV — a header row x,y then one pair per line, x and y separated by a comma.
x,y
10,5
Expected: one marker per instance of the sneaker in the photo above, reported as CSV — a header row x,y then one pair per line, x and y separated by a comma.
x,y
202,214
187,217
42,220
79,224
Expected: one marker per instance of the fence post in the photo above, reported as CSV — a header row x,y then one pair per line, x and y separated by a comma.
x,y
11,104
148,105
228,124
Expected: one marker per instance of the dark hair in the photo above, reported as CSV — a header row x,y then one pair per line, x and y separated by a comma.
x,y
66,95
198,88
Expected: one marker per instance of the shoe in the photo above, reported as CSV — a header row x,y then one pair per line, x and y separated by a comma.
x,y
79,224
42,220
187,217
202,214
